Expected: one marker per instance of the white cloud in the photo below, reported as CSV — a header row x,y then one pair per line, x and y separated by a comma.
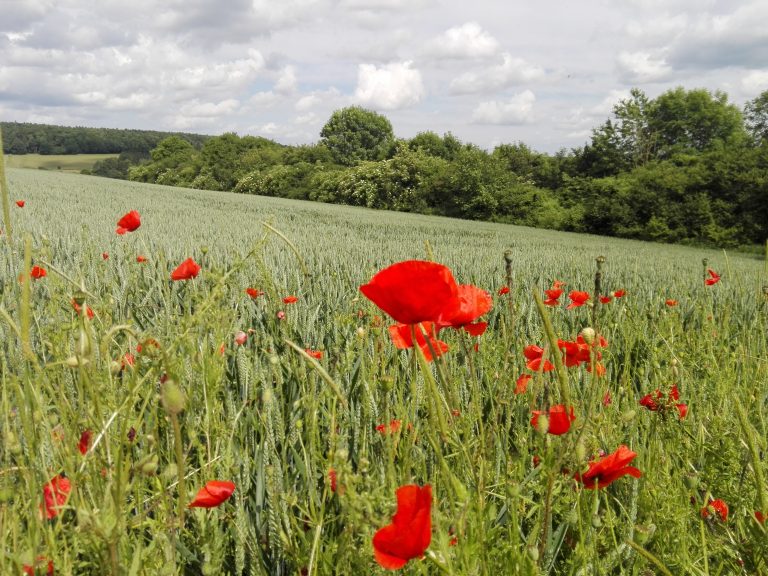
x,y
466,41
389,87
642,67
286,81
755,82
510,72
210,109
605,107
516,110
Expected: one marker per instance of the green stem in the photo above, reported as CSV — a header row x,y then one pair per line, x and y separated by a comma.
x,y
560,371
177,440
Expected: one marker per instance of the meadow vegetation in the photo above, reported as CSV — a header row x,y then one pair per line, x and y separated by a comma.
x,y
270,370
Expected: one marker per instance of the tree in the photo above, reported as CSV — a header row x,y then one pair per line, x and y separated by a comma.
x,y
355,134
756,118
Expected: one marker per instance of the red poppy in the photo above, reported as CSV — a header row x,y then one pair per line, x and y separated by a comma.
x,y
503,290
559,419
410,532
212,494
290,300
557,284
521,385
20,203
140,259
55,495
605,299
553,296
402,338
37,272
715,507
472,303
607,400
85,441
78,309
655,402
535,356
316,354
760,517
577,299
32,570
186,270
714,277
128,223
670,302
413,291
332,479
619,293
104,255
253,292
280,315
240,337
394,426
609,468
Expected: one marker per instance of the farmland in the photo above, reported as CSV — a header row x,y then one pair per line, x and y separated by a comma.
x,y
276,421
59,162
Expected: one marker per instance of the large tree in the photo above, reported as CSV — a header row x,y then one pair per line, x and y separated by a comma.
x,y
355,134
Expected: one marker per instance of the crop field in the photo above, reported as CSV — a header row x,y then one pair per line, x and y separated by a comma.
x,y
571,435
59,162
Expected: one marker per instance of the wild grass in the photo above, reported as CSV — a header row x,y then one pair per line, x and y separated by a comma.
x,y
274,422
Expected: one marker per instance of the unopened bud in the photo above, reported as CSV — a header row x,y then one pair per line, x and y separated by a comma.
x,y
172,397
588,334
542,424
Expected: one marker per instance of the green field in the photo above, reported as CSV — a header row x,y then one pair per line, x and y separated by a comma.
x,y
58,162
275,423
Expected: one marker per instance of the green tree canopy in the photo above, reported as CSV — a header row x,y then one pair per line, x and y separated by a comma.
x,y
355,134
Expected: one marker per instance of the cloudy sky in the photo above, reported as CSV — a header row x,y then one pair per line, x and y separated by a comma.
x,y
543,72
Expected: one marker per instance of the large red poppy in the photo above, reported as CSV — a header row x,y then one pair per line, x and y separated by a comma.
x,y
609,468
37,272
559,419
717,508
85,441
577,298
656,402
535,355
212,494
413,291
129,222
402,338
472,303
186,270
56,494
410,532
714,277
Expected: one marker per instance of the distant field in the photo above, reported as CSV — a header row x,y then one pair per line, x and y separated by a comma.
x,y
113,421
60,162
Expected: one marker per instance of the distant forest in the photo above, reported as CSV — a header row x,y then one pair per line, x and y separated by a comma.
x,y
686,167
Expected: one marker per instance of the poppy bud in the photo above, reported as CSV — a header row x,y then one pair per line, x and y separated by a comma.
x,y
83,344
115,367
533,553
596,521
74,362
148,465
588,334
542,424
643,533
581,452
628,416
172,397
360,332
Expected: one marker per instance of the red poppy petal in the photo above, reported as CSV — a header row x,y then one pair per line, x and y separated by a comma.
x,y
476,329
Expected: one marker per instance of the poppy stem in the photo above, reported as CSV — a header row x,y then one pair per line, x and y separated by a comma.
x,y
177,441
560,371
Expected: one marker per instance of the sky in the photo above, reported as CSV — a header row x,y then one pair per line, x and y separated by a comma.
x,y
542,72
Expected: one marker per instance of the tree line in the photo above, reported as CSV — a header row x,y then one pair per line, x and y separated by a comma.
x,y
685,167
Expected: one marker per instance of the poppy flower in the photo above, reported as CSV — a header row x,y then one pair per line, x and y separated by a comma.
x,y
394,426
186,270
280,315
553,296
559,419
535,356
714,277
31,570
619,293
715,507
503,290
20,203
141,259
609,468
413,291
253,292
37,272
214,492
105,255
332,479
605,299
316,354
655,402
240,337
402,338
129,222
670,302
607,400
577,299
85,441
290,300
78,309
557,284
472,303
55,495
521,385
760,517
410,532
